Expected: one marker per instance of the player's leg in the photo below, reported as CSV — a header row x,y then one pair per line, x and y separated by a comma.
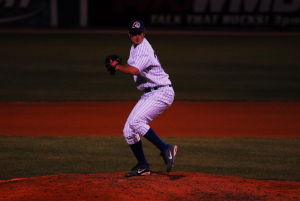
x,y
150,106
142,167
136,146
155,139
168,151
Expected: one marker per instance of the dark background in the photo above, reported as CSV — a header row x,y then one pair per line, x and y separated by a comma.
x,y
278,15
245,57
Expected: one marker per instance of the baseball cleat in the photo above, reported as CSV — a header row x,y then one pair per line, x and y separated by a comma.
x,y
169,156
139,170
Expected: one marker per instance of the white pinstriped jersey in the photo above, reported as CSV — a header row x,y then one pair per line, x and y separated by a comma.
x,y
151,72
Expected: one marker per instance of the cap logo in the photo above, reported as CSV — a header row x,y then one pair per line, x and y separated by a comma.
x,y
136,25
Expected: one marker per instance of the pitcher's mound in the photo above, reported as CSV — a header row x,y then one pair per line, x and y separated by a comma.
x,y
158,186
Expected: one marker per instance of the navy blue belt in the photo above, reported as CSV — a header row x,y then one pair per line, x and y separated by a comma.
x,y
149,89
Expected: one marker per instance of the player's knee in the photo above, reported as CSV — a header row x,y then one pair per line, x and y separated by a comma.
x,y
135,126
129,135
139,127
132,131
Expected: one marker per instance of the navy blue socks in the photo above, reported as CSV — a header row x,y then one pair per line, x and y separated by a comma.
x,y
138,152
137,148
154,139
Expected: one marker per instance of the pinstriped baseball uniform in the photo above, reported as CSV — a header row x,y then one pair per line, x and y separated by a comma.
x,y
158,95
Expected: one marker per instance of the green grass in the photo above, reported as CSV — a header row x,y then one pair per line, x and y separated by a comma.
x,y
267,158
62,67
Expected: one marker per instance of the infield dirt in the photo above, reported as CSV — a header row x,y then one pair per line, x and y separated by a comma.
x,y
184,118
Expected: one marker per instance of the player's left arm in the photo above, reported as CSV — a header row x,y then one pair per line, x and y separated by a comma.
x,y
113,63
135,67
126,68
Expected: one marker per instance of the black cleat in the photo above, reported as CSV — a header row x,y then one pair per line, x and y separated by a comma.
x,y
139,170
169,156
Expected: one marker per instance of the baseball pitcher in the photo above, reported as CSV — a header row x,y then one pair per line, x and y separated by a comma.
x,y
150,77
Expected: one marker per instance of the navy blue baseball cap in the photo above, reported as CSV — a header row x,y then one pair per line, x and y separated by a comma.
x,y
136,27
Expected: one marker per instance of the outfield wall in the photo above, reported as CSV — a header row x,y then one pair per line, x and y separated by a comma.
x,y
191,14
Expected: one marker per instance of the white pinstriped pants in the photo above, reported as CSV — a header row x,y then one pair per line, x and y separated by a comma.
x,y
147,109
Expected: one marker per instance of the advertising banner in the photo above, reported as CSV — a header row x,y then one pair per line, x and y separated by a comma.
x,y
198,13
278,14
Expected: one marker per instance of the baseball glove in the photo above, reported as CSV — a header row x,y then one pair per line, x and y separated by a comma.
x,y
110,63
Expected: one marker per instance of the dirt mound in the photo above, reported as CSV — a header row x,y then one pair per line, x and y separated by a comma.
x,y
158,186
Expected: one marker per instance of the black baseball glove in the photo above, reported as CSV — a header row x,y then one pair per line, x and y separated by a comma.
x,y
110,63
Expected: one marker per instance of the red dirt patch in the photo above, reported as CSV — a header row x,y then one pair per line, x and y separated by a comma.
x,y
158,186
213,119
